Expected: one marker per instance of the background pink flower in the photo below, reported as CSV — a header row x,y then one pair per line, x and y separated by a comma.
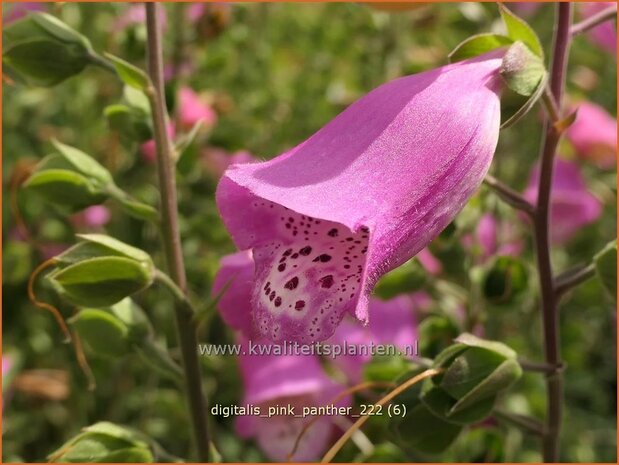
x,y
605,34
281,380
191,109
149,150
572,205
594,135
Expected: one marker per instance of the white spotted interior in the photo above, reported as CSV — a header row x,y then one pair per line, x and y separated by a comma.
x,y
308,277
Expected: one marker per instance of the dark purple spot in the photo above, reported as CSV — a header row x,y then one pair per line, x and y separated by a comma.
x,y
281,267
333,232
347,266
299,305
292,284
294,255
326,281
287,225
266,286
278,301
287,252
324,258
272,296
306,250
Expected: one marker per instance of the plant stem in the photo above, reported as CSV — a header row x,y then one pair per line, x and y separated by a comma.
x,y
509,195
592,21
171,237
573,278
528,424
550,318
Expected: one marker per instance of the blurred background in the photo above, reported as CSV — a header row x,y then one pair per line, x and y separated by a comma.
x,y
264,77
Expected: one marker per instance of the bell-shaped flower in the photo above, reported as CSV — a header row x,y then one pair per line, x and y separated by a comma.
x,y
572,206
368,191
594,135
288,380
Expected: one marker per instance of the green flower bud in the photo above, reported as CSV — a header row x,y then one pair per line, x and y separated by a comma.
x,y
101,271
43,51
70,179
476,372
106,442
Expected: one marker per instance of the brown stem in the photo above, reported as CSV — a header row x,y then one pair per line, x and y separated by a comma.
x,y
592,21
554,381
509,195
171,237
572,278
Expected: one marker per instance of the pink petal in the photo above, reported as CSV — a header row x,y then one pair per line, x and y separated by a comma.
x,y
594,135
192,109
572,205
360,197
236,272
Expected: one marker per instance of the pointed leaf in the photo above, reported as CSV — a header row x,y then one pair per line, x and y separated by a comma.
x,y
129,74
518,29
478,45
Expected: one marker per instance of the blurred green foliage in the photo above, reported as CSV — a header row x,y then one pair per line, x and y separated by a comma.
x,y
275,73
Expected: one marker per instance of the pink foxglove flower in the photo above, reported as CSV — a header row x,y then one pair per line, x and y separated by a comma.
x,y
392,323
594,135
192,109
135,15
605,34
572,205
492,237
296,380
364,194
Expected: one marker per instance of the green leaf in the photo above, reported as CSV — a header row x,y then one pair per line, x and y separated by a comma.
x,y
117,247
436,332
503,377
134,318
103,332
468,370
471,340
112,443
424,432
442,405
84,163
113,430
59,30
65,188
478,45
527,105
522,70
44,62
606,268
101,281
519,30
129,74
